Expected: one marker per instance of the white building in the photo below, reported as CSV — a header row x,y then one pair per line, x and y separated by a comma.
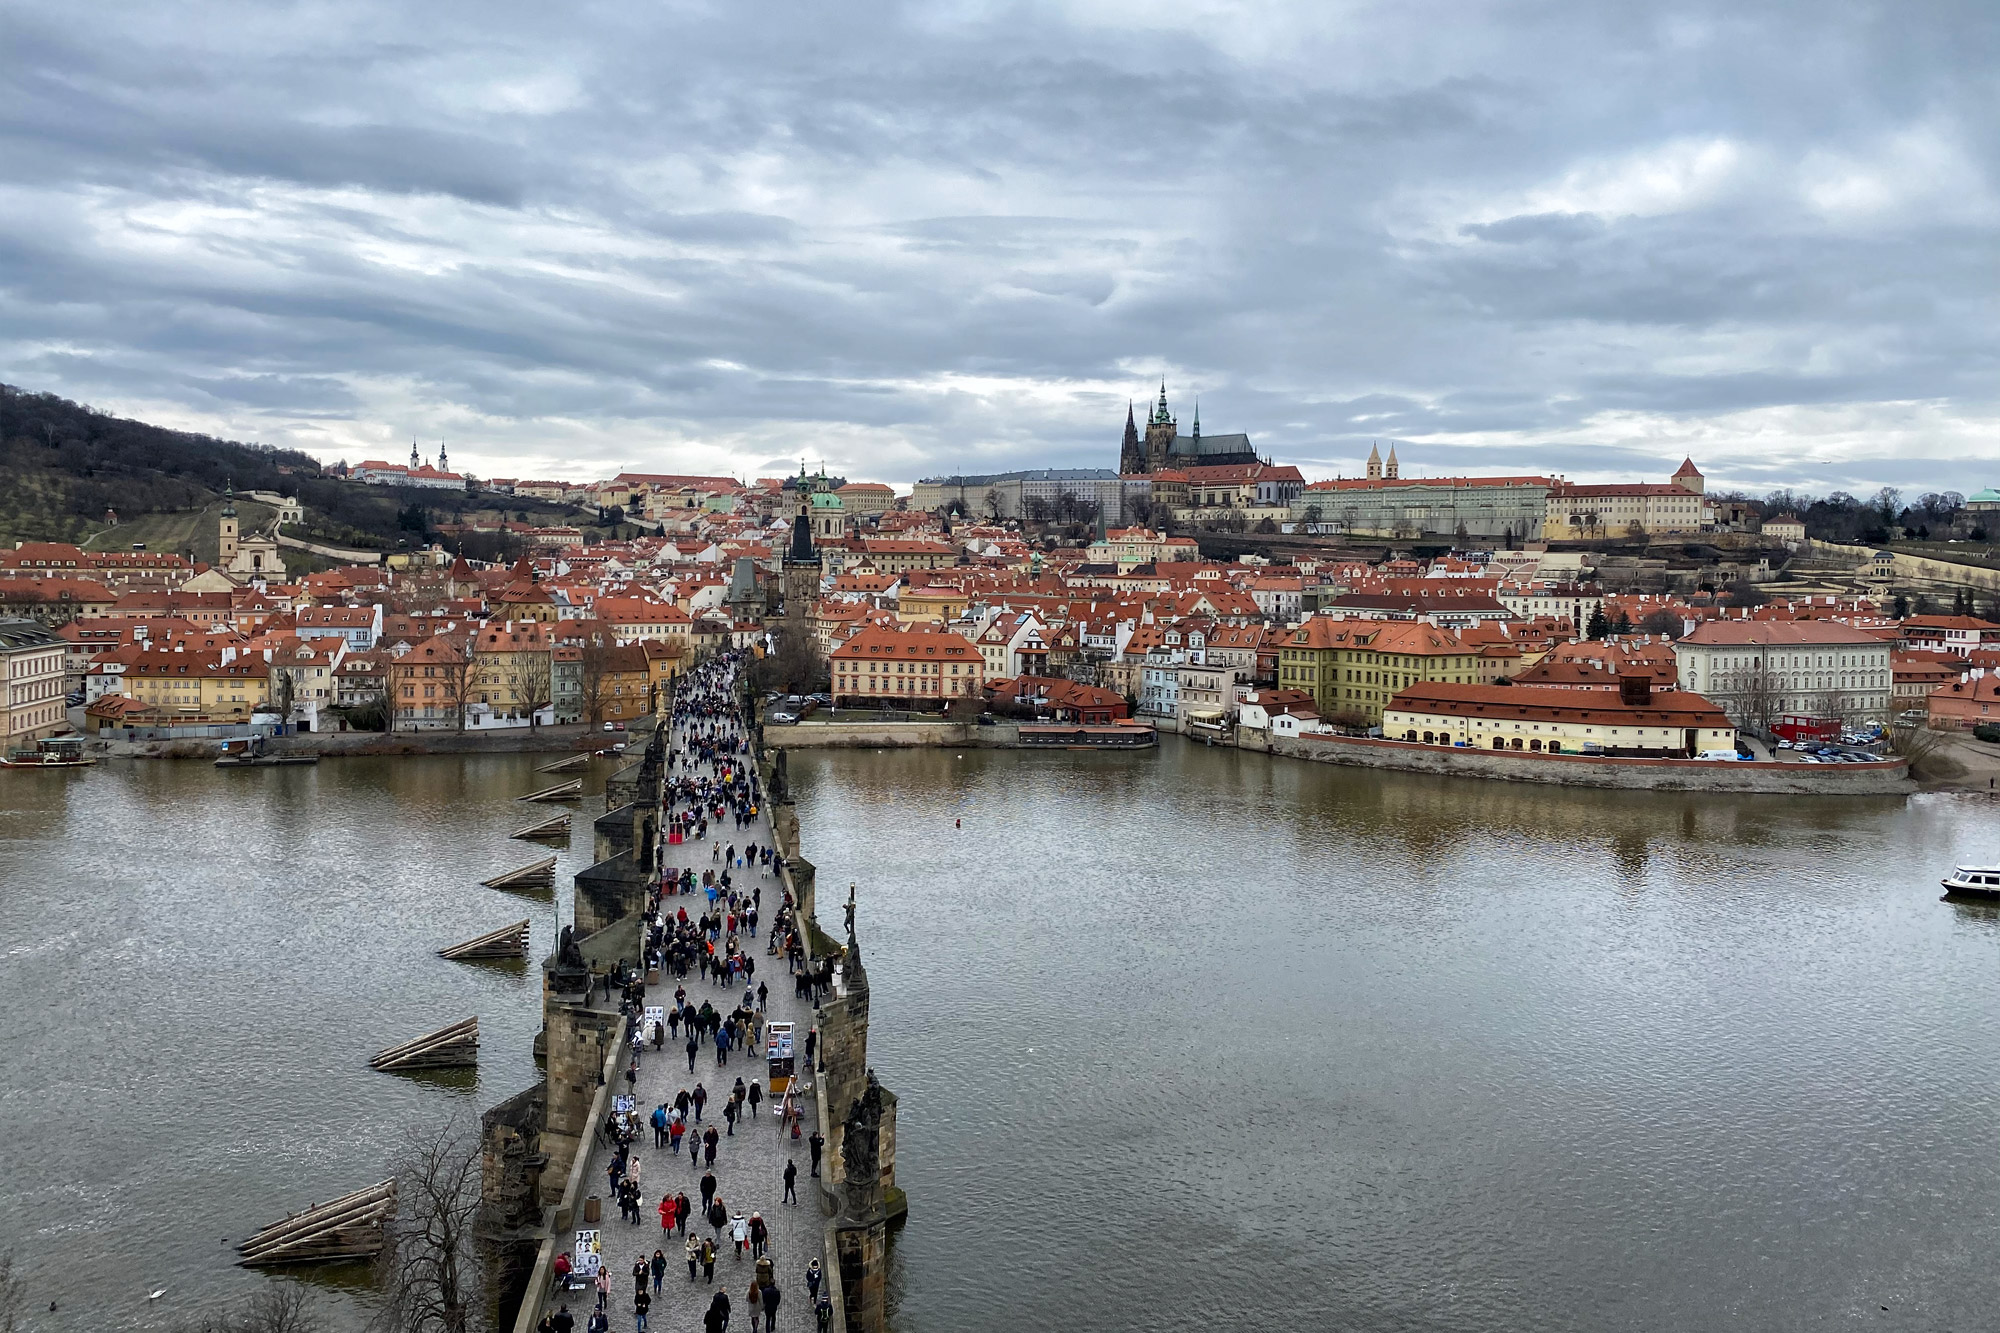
x,y
1761,670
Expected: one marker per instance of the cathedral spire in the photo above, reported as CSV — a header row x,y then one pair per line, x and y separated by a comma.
x,y
1160,417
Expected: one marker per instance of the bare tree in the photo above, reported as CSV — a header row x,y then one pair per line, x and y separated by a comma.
x,y
593,677
530,679
429,1272
281,1307
457,674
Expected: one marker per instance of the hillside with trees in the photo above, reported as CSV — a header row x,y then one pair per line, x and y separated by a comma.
x,y
64,465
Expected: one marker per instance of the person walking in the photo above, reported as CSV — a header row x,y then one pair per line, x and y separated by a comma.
x,y
660,1125
603,1286
599,1322
640,1305
693,1255
659,1269
641,1270
707,1260
818,1144
812,1280
760,1235
707,1191
756,1097
771,1297
791,1182
739,1231
717,1318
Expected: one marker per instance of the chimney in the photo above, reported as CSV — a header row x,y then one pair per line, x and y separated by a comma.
x,y
1635,691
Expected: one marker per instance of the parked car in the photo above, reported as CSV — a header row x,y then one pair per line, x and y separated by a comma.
x,y
782,717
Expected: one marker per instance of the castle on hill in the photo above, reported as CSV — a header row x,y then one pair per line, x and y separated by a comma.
x,y
1164,448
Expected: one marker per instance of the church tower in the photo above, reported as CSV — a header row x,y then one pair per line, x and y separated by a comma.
x,y
227,535
415,462
442,465
801,566
1160,433
1394,470
1374,463
1130,459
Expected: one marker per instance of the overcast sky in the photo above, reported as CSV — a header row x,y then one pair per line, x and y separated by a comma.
x,y
1577,236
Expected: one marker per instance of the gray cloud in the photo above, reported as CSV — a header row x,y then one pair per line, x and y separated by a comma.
x,y
1565,237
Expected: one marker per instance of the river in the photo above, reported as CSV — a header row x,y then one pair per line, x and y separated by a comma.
x,y
1208,1038
198,964
1195,1036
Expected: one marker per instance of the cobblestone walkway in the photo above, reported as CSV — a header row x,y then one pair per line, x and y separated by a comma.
x,y
749,1165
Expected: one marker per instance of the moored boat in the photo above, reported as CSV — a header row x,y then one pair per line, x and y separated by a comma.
x,y
51,752
1974,882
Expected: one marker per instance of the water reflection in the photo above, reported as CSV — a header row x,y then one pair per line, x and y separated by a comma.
x,y
1265,1042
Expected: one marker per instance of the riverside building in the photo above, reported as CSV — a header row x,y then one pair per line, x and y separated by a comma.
x,y
1761,670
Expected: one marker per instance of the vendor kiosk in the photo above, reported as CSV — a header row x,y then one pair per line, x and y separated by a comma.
x,y
778,1055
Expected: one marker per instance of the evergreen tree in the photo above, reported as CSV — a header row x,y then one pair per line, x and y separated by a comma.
x,y
1597,625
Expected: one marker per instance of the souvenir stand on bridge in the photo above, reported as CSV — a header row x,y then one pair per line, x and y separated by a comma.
x,y
778,1056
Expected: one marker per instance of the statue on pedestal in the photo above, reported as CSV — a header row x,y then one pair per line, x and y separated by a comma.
x,y
861,1153
570,973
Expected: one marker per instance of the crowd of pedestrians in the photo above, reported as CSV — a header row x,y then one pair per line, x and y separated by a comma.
x,y
703,926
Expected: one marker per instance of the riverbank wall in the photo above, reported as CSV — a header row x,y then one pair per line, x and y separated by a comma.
x,y
336,744
1564,770
881,735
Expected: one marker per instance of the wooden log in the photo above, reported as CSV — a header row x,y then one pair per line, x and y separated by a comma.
x,y
548,829
562,791
569,765
350,1227
538,875
506,942
448,1048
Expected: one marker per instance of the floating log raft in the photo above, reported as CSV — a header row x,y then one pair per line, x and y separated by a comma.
x,y
350,1227
562,791
506,942
569,765
447,1048
540,875
549,829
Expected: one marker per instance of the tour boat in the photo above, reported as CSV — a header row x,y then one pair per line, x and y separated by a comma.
x,y
1973,882
53,752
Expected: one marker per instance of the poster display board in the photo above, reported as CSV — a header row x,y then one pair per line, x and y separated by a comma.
x,y
588,1256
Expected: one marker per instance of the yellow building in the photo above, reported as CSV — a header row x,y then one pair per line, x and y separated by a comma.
x,y
663,663
1354,667
512,668
926,601
216,684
